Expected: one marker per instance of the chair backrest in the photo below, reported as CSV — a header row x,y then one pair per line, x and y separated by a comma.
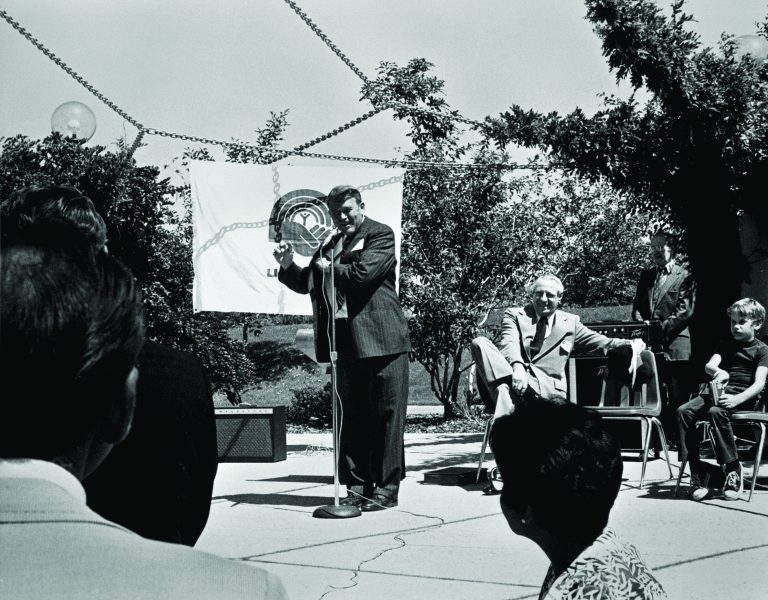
x,y
619,394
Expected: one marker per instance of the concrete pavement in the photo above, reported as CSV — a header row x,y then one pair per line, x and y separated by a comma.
x,y
451,541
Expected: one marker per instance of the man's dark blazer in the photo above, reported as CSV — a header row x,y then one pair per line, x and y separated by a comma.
x,y
158,482
365,273
674,308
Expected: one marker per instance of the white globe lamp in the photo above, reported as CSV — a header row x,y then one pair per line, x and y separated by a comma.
x,y
754,45
74,119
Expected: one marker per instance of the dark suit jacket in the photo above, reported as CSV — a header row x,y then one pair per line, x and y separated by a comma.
x,y
158,482
674,308
548,366
365,274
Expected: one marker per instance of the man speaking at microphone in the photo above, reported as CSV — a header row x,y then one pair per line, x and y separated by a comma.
x,y
371,341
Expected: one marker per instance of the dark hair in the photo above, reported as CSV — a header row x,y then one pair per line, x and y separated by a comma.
x,y
558,460
669,238
72,328
26,205
341,193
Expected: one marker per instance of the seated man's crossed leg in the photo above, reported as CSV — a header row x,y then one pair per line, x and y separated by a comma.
x,y
494,379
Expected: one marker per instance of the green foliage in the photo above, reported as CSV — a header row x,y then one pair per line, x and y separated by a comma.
x,y
311,406
473,238
149,235
701,140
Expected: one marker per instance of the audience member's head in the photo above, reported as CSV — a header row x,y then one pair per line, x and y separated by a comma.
x,y
55,201
561,471
72,327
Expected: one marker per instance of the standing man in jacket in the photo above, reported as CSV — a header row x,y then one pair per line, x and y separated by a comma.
x,y
666,292
372,344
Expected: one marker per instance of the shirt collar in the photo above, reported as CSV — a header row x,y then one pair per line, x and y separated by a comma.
x,y
667,267
31,468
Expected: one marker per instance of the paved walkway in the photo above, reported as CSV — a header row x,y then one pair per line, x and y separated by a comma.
x,y
451,541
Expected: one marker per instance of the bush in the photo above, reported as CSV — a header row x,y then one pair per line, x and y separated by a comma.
x,y
311,406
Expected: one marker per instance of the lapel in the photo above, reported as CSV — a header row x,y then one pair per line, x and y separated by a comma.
x,y
359,235
668,283
559,331
527,327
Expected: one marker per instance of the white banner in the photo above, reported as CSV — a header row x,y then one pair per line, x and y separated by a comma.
x,y
240,212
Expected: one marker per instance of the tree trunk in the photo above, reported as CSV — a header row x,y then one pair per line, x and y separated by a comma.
x,y
718,268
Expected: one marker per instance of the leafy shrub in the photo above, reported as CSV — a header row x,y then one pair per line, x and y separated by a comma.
x,y
311,406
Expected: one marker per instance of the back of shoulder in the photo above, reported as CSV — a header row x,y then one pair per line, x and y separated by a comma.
x,y
203,575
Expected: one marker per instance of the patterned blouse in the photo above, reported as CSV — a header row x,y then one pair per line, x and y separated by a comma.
x,y
608,570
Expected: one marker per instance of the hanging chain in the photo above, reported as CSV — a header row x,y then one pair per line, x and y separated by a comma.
x,y
277,153
136,143
72,73
435,113
340,129
303,16
319,32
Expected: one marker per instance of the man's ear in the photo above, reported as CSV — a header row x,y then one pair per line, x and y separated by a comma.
x,y
118,423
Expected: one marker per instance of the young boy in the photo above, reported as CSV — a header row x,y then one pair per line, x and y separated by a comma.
x,y
740,365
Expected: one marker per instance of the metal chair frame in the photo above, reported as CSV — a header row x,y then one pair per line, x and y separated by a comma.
x,y
647,409
758,420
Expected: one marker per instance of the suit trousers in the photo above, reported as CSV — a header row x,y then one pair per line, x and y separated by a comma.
x,y
492,370
374,399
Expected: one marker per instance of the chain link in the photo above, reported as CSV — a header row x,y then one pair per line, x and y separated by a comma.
x,y
278,154
303,16
379,183
72,73
436,113
136,144
224,230
333,132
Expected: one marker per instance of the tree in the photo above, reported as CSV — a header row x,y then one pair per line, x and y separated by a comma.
x,y
146,233
696,149
473,238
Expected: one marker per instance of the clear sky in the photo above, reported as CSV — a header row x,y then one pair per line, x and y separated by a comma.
x,y
215,68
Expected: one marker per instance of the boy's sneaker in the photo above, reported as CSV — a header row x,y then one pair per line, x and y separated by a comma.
x,y
700,485
734,484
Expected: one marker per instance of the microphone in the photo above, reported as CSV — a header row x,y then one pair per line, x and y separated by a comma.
x,y
331,239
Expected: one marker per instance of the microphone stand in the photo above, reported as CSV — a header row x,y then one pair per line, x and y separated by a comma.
x,y
335,510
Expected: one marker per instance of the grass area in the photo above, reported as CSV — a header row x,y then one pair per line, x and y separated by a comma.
x,y
281,367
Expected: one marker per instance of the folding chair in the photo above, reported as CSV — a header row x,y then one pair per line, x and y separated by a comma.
x,y
757,419
623,400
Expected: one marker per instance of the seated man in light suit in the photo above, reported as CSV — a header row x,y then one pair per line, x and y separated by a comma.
x,y
72,328
536,341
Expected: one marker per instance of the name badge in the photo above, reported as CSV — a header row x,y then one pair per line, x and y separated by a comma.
x,y
567,346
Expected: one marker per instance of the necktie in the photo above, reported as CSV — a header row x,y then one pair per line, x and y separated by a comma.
x,y
538,339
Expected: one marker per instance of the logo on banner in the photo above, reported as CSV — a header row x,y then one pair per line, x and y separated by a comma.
x,y
300,217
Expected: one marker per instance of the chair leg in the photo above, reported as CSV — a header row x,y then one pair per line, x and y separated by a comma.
x,y
664,446
486,435
646,448
680,474
758,461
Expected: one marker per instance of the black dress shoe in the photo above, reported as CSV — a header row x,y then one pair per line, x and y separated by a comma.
x,y
378,503
352,500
